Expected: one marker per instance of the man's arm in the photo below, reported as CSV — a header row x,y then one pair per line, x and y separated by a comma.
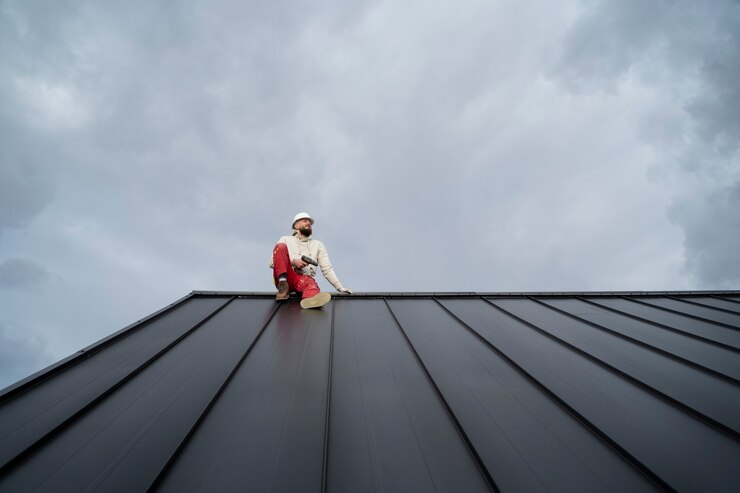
x,y
328,270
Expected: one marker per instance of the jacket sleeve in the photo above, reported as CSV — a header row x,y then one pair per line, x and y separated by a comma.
x,y
326,267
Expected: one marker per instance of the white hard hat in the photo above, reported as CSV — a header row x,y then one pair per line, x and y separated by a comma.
x,y
302,215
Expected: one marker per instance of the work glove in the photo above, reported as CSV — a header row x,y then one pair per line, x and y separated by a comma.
x,y
344,290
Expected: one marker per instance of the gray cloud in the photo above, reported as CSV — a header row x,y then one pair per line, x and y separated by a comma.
x,y
693,54
21,354
713,236
26,176
608,38
155,148
717,108
23,192
26,150
22,273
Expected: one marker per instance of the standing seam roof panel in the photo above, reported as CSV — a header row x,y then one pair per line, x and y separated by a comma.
x,y
710,357
716,400
141,424
704,329
51,403
721,303
528,441
682,307
392,391
266,431
696,459
388,430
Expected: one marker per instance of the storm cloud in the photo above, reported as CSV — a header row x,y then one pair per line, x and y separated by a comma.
x,y
22,273
152,148
692,53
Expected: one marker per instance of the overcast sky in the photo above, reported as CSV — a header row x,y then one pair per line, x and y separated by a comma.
x,y
151,148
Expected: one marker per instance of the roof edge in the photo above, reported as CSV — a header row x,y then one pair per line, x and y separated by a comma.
x,y
375,294
34,378
58,366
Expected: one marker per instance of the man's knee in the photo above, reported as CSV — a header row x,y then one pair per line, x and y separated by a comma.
x,y
279,248
307,282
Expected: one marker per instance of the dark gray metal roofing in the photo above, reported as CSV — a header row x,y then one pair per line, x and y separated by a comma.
x,y
392,391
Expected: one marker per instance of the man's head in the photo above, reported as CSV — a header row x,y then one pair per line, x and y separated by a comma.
x,y
302,223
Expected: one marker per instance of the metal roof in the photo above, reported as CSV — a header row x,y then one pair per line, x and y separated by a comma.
x,y
224,391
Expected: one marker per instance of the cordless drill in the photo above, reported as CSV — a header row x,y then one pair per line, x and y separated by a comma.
x,y
309,260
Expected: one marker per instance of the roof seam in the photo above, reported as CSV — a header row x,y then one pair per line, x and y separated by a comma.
x,y
559,401
683,314
711,307
662,326
325,467
458,426
168,465
726,299
652,390
650,347
22,455
84,353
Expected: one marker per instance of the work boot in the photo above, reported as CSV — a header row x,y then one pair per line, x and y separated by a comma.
x,y
317,301
283,291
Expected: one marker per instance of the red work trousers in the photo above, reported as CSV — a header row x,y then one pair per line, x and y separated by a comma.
x,y
306,285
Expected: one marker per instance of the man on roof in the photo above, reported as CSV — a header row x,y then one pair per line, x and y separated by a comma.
x,y
293,274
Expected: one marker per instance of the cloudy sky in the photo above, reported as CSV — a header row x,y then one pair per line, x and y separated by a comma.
x,y
151,148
